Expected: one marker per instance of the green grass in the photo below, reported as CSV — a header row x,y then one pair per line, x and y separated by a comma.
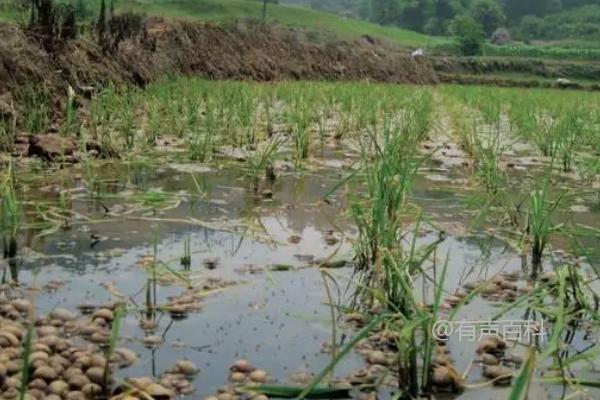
x,y
298,17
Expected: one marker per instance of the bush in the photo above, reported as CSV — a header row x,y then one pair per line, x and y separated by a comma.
x,y
469,34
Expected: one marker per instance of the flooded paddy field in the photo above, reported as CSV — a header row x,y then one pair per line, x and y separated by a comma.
x,y
232,240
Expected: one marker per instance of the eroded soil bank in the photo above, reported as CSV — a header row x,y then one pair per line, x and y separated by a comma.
x,y
242,51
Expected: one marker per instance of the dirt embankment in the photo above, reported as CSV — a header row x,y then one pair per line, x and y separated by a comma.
x,y
240,51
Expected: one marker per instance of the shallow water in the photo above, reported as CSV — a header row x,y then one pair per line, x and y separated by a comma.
x,y
277,320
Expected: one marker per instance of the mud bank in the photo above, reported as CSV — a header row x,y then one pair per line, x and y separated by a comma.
x,y
239,51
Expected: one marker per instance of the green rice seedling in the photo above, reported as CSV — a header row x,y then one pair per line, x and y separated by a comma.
x,y
154,119
522,384
7,135
299,116
12,214
570,131
487,156
27,350
92,182
127,127
522,116
112,343
540,225
70,113
544,135
421,114
35,102
8,131
261,161
202,137
389,165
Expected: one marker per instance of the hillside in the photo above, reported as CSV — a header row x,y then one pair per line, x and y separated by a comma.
x,y
321,23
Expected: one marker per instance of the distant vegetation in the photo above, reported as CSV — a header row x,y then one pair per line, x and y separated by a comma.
x,y
324,25
527,20
568,30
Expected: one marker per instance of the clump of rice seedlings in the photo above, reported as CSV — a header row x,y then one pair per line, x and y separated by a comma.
x,y
540,225
463,125
299,118
70,113
570,131
8,132
260,161
7,136
202,137
103,119
522,116
389,165
92,182
35,102
154,126
488,168
126,121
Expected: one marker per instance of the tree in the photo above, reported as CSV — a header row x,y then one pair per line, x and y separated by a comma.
x,y
101,23
531,26
489,14
516,9
469,34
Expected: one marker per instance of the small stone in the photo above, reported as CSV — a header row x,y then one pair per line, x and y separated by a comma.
x,y
242,366
489,359
152,341
501,374
78,381
125,357
75,395
7,339
91,390
47,330
103,313
549,276
442,377
21,305
39,384
377,357
258,376
62,314
159,392
46,373
237,377
487,345
294,239
96,375
58,387
97,360
140,382
187,367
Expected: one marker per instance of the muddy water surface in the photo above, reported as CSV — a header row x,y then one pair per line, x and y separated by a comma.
x,y
253,258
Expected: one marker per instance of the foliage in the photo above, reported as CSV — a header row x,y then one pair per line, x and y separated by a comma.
x,y
489,14
469,35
